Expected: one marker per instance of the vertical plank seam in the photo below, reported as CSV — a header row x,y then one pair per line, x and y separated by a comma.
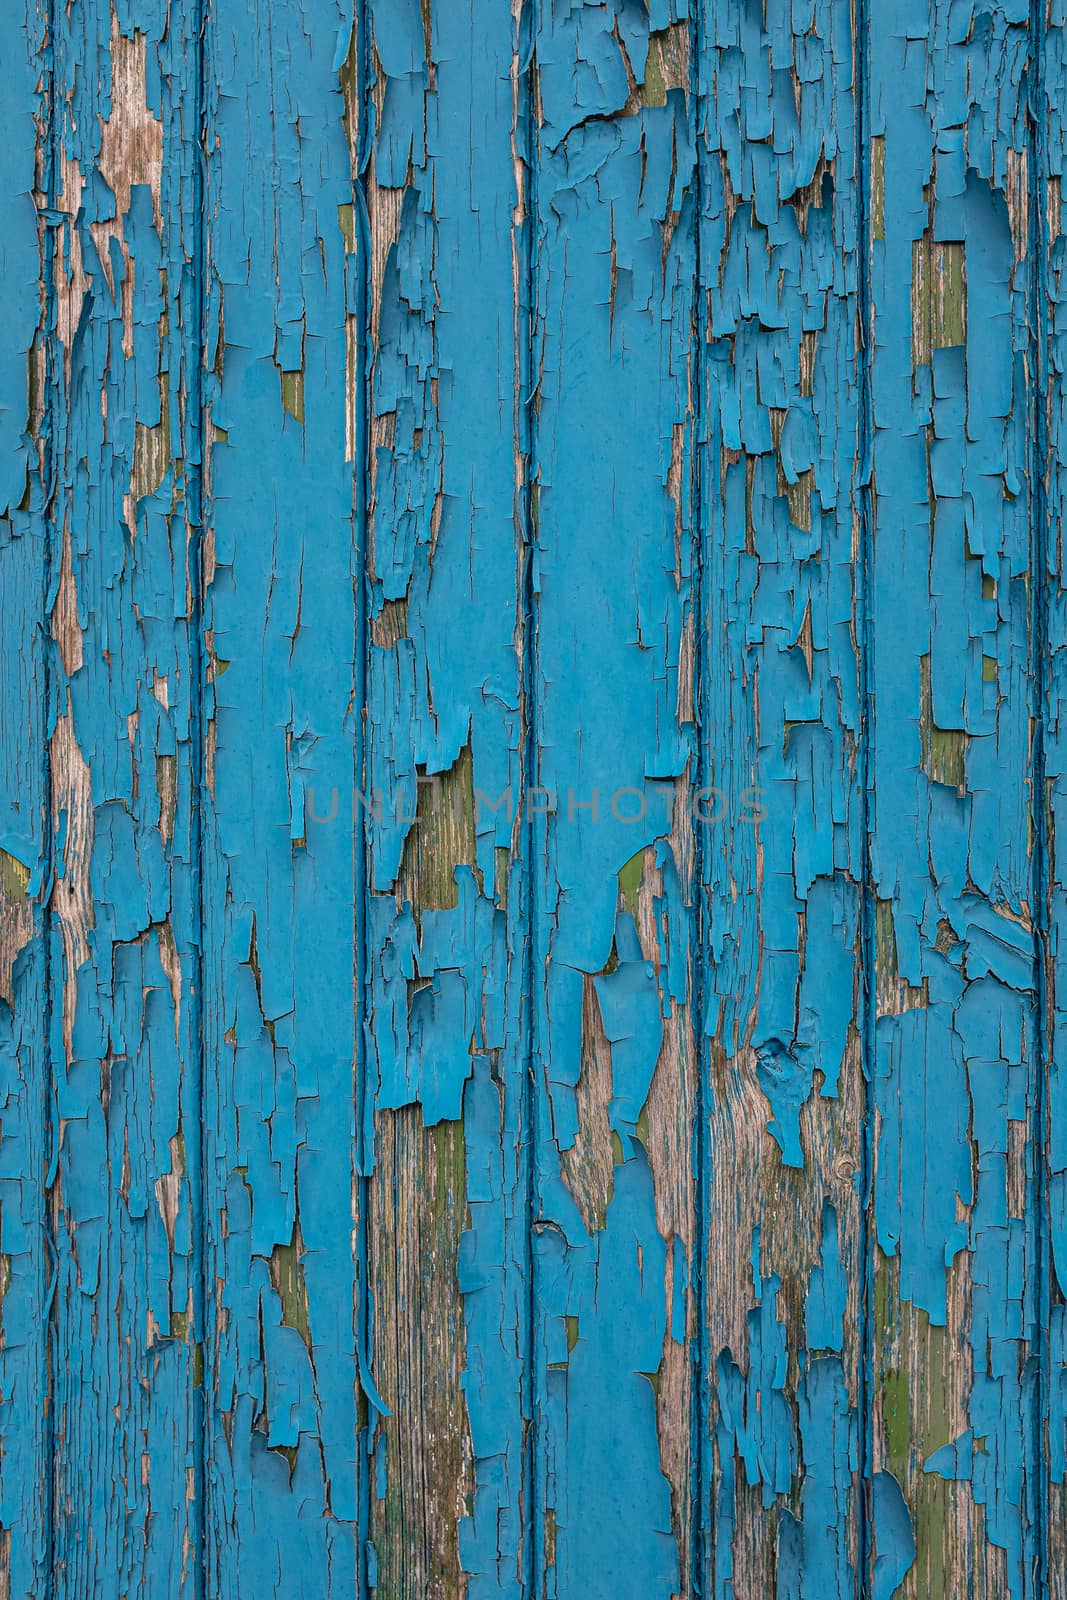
x,y
361,844
529,777
195,479
864,497
1037,291
49,240
701,1478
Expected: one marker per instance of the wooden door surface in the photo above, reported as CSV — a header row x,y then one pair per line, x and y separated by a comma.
x,y
533,800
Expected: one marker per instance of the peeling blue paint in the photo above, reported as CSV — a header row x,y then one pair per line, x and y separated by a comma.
x,y
440,447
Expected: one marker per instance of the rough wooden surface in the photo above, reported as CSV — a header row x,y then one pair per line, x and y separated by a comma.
x,y
530,761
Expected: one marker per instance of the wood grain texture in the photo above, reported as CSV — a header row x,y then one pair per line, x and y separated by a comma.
x,y
531,867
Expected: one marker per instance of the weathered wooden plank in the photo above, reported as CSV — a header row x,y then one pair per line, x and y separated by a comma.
x,y
282,736
1048,245
612,851
123,968
953,1217
25,148
782,720
447,1026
